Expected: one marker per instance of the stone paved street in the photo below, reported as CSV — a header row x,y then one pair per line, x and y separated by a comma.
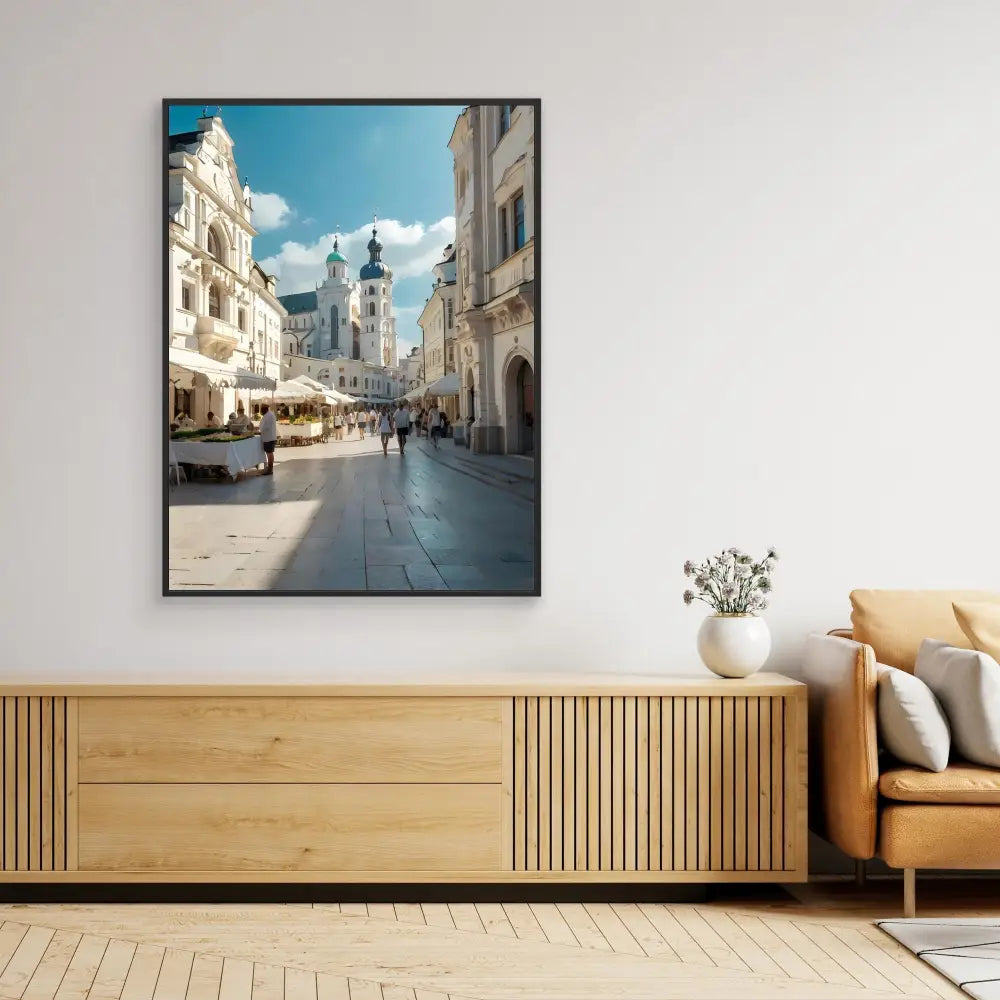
x,y
341,516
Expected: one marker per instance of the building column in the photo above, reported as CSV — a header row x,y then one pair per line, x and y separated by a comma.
x,y
487,431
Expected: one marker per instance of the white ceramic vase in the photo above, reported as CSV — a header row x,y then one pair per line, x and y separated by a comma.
x,y
734,645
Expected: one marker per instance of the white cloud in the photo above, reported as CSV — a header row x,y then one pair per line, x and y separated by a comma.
x,y
409,250
270,211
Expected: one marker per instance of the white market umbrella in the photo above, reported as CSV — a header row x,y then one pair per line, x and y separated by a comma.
x,y
447,385
333,395
293,392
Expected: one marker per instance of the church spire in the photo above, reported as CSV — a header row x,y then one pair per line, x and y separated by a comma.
x,y
374,244
336,257
375,268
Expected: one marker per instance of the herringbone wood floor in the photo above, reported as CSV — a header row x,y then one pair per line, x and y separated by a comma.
x,y
821,945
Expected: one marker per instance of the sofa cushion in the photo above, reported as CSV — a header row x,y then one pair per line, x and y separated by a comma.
x,y
918,835
980,621
895,622
911,723
967,683
961,783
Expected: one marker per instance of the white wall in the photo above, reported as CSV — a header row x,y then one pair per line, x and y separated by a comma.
x,y
806,194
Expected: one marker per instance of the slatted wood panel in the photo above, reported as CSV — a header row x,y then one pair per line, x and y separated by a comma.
x,y
37,739
706,784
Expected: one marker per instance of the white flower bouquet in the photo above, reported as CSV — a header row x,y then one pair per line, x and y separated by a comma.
x,y
732,583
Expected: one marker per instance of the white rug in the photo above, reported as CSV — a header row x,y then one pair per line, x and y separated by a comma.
x,y
966,950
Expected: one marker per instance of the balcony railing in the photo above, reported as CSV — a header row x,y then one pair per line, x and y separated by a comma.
x,y
518,268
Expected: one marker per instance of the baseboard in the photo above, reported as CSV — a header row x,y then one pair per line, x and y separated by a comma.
x,y
355,893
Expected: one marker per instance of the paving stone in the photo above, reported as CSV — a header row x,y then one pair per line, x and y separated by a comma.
x,y
394,554
424,576
463,577
388,578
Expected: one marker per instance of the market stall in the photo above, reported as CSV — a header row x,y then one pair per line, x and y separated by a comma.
x,y
199,384
237,455
306,431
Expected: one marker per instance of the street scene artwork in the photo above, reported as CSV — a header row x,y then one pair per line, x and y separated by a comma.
x,y
351,359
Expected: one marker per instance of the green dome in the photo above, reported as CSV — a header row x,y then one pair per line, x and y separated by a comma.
x,y
336,257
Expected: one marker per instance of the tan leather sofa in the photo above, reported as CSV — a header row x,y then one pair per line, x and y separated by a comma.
x,y
862,800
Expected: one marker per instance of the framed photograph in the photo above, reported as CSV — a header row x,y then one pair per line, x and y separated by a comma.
x,y
351,362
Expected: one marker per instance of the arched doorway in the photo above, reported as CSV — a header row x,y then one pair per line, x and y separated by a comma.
x,y
520,399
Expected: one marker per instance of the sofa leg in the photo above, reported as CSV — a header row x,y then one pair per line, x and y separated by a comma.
x,y
860,871
909,892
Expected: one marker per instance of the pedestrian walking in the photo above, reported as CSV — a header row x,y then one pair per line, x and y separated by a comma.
x,y
351,418
372,420
401,420
338,426
268,437
434,424
385,428
362,423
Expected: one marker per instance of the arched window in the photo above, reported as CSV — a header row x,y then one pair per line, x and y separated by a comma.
x,y
371,289
383,289
371,308
342,381
214,244
385,308
354,382
214,307
366,385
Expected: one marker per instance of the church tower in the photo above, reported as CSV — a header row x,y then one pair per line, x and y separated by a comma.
x,y
333,303
378,325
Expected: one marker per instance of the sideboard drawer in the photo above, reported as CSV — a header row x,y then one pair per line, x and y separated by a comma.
x,y
184,739
266,828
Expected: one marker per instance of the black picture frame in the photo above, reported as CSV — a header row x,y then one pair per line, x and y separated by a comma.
x,y
536,104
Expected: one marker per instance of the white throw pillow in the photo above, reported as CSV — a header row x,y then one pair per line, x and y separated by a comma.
x,y
967,683
911,722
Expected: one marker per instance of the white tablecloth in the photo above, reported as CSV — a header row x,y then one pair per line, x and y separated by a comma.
x,y
237,456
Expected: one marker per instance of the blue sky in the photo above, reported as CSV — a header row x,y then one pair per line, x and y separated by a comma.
x,y
317,169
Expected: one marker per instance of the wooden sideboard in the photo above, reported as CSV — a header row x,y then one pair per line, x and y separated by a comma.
x,y
564,779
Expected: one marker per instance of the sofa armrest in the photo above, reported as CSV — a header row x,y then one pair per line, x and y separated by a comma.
x,y
843,743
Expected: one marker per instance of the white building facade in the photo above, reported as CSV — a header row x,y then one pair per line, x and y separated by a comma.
x,y
220,302
413,366
437,320
369,383
493,148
